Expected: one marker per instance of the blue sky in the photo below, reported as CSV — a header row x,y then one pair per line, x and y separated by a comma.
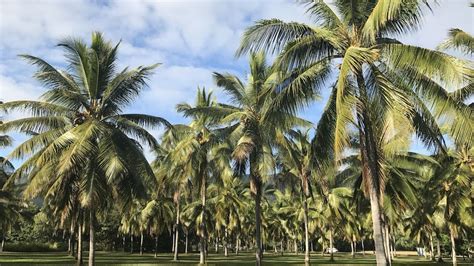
x,y
191,38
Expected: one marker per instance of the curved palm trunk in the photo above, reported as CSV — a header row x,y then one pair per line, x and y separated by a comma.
x,y
91,237
453,246
79,244
371,171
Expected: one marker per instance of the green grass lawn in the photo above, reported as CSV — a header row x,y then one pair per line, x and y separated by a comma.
x,y
113,258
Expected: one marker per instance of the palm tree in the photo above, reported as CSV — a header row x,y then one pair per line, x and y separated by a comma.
x,y
228,200
296,157
453,182
10,204
82,130
372,69
253,124
132,221
158,212
199,155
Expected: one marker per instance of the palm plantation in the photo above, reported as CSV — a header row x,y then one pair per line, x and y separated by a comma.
x,y
245,173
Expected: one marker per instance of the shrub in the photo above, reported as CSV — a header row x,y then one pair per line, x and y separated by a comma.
x,y
34,247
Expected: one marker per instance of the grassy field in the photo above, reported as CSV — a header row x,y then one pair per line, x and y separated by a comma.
x,y
109,258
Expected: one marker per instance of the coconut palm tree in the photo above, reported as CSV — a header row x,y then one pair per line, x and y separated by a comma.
x,y
254,126
199,155
228,200
158,215
296,157
453,182
82,129
356,43
10,204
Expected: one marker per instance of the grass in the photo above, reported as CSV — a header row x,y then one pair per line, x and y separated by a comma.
x,y
120,258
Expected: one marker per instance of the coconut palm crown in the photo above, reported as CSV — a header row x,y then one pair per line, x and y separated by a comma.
x,y
80,129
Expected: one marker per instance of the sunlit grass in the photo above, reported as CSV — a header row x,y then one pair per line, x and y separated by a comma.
x,y
247,258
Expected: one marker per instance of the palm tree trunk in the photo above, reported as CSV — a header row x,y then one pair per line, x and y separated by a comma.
x,y
281,247
226,254
322,246
237,244
69,244
73,246
156,245
202,253
306,221
363,247
453,246
131,242
3,242
141,243
258,221
79,243
177,224
371,171
173,239
295,243
352,249
123,242
71,239
186,243
431,248
331,246
91,236
387,241
438,247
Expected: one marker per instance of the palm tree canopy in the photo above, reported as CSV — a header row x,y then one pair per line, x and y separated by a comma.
x,y
80,130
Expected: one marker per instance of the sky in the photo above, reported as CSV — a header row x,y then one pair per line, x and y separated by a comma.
x,y
191,39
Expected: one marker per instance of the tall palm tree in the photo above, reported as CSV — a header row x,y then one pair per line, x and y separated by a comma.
x,y
296,157
356,43
82,130
198,154
253,124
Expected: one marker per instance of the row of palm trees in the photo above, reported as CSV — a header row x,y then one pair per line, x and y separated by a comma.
x,y
85,155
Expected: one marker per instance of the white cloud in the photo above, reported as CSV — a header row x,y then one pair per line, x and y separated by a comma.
x,y
190,38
